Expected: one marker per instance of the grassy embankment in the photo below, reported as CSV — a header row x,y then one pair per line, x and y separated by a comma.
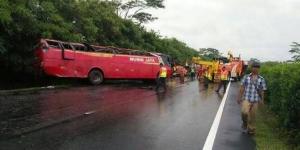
x,y
278,123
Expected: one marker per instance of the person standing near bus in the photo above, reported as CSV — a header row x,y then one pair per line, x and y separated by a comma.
x,y
161,81
224,79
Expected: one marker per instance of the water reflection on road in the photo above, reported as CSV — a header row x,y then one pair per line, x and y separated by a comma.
x,y
112,117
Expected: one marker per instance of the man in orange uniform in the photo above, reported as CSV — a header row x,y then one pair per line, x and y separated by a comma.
x,y
161,81
224,79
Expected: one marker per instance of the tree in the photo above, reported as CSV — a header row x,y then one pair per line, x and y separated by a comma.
x,y
209,53
24,22
254,60
295,50
135,9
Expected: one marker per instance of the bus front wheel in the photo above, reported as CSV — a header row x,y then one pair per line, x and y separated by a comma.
x,y
95,77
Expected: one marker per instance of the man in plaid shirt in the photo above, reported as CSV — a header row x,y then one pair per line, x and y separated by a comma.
x,y
251,93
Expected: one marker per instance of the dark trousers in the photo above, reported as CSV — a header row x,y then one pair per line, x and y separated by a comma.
x,y
161,82
192,76
222,83
206,82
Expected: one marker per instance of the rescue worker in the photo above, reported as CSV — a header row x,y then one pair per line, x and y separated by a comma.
x,y
223,80
193,73
251,93
206,77
161,81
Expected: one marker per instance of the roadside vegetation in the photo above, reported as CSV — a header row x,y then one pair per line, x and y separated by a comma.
x,y
269,135
278,124
109,23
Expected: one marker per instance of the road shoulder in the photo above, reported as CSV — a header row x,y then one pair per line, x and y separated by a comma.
x,y
229,135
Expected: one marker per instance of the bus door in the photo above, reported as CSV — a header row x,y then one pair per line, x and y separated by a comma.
x,y
68,60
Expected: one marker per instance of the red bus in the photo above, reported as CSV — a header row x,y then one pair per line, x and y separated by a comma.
x,y
66,59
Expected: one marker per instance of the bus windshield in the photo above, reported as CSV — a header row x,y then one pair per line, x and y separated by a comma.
x,y
166,59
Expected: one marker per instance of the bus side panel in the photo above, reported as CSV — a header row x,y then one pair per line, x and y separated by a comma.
x,y
155,68
122,67
52,62
52,67
106,62
136,67
82,64
85,61
147,68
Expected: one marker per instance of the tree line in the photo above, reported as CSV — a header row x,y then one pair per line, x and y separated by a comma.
x,y
24,22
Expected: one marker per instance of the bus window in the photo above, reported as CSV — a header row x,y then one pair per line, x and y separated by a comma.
x,y
67,46
123,52
80,47
139,53
146,53
166,60
53,44
105,50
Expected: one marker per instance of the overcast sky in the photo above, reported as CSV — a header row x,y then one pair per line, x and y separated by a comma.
x,y
261,29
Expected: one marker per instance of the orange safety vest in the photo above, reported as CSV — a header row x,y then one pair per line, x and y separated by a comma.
x,y
224,75
163,72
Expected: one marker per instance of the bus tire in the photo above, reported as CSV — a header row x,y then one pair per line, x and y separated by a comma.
x,y
95,77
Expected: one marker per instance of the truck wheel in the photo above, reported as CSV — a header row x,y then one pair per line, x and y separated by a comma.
x,y
95,77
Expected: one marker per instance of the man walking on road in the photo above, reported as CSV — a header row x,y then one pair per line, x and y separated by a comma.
x,y
251,93
161,81
224,79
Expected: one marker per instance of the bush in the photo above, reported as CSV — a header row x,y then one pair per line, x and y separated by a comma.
x,y
283,95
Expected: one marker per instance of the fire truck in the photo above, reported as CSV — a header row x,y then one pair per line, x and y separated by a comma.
x,y
233,64
97,63
212,66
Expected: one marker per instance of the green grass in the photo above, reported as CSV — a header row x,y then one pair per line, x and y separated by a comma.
x,y
268,135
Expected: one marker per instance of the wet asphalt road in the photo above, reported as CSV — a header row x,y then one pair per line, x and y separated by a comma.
x,y
109,117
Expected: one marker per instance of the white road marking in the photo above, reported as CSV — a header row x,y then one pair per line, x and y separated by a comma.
x,y
90,112
214,128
